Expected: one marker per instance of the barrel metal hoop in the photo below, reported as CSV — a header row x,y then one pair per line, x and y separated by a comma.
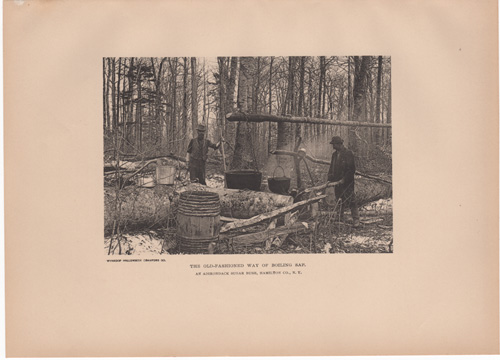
x,y
198,214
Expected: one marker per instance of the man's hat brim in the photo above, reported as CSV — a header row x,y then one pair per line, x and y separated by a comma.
x,y
337,140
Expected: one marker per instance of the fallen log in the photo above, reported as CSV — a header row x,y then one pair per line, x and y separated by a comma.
x,y
298,119
270,215
144,208
149,207
140,208
365,190
134,165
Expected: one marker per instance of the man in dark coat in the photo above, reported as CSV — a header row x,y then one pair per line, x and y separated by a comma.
x,y
341,174
198,154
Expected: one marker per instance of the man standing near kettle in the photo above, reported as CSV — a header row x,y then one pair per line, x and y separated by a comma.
x,y
198,154
341,174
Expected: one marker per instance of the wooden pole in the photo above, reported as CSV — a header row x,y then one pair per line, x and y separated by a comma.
x,y
223,155
297,163
324,162
298,119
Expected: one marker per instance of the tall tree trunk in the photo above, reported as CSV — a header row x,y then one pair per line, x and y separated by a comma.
x,y
222,93
377,107
323,100
124,103
113,104
285,135
349,91
259,145
270,125
321,85
138,111
173,120
113,93
300,109
243,150
157,110
194,96
118,93
232,83
104,96
389,115
184,98
255,97
359,92
341,106
230,128
204,118
131,127
310,93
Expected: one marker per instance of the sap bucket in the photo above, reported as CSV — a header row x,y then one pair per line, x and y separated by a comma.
x,y
165,174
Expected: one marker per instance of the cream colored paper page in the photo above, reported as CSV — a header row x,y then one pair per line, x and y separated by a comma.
x,y
436,294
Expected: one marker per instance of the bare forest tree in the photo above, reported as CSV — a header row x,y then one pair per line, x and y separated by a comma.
x,y
244,146
194,95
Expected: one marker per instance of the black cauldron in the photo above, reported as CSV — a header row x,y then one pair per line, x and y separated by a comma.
x,y
244,179
279,185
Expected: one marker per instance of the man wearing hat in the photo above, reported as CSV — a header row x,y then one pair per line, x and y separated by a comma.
x,y
198,154
341,174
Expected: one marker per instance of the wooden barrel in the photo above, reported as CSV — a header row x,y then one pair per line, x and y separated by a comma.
x,y
198,221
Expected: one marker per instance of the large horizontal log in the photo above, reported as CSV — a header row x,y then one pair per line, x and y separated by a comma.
x,y
138,208
365,190
134,165
143,208
149,207
299,119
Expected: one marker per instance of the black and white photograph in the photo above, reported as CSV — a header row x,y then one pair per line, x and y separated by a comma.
x,y
247,155
141,137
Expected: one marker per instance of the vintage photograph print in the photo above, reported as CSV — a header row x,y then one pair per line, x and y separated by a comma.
x,y
247,155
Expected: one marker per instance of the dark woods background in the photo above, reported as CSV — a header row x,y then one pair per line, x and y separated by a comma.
x,y
152,105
